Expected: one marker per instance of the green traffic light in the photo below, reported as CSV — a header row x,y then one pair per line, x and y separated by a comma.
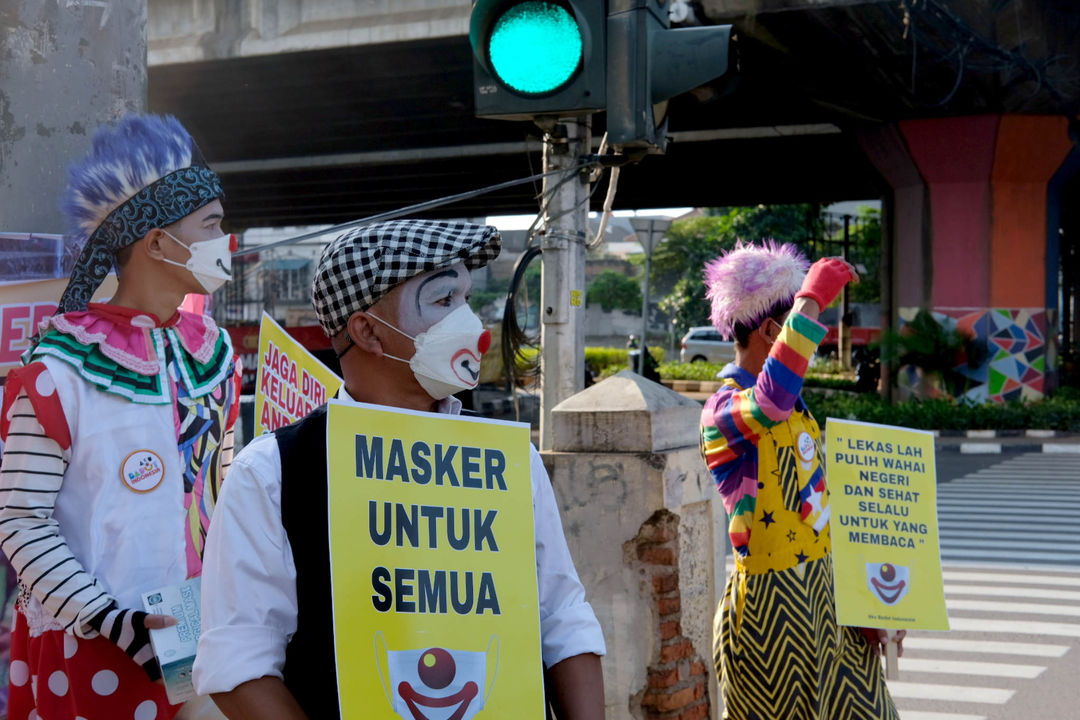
x,y
535,47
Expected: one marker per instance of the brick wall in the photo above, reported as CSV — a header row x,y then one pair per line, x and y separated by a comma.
x,y
677,679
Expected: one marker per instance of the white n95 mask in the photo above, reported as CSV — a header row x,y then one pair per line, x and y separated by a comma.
x,y
435,683
210,261
447,357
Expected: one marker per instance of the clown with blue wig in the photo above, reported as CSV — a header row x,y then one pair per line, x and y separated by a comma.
x,y
778,650
118,429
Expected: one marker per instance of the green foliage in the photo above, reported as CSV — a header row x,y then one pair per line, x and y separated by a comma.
x,y
928,345
690,371
866,250
678,262
612,290
1056,413
606,361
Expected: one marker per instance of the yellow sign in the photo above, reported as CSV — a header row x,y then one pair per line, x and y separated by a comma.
x,y
291,382
883,495
432,557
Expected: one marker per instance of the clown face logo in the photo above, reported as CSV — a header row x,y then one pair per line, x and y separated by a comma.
x,y
888,582
142,471
436,683
466,361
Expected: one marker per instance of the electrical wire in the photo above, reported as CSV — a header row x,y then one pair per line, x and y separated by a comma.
x,y
421,207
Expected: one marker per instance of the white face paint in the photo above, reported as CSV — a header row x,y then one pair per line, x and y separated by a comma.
x,y
426,299
448,339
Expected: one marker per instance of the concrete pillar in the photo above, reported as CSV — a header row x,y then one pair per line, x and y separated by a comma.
x,y
66,66
977,189
648,541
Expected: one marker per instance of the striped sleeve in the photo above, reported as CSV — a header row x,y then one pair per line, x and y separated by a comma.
x,y
30,478
740,418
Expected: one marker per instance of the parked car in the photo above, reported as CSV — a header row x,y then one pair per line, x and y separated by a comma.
x,y
704,344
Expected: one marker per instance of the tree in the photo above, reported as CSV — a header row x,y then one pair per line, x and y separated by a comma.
x,y
678,262
612,290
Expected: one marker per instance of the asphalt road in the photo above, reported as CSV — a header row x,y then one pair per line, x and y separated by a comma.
x,y
1010,543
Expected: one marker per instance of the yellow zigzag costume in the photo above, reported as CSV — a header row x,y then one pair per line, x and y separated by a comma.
x,y
779,653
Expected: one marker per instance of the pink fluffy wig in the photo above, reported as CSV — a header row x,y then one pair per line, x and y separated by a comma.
x,y
748,283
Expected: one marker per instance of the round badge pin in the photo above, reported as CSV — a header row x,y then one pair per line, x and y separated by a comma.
x,y
806,446
142,471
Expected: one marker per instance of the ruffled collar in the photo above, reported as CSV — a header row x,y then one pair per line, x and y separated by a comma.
x,y
125,335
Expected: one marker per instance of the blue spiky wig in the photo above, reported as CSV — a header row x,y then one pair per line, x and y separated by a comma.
x,y
142,173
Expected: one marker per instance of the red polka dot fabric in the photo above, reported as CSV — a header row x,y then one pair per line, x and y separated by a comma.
x,y
56,676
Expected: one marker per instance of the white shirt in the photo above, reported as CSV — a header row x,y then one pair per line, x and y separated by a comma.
x,y
249,604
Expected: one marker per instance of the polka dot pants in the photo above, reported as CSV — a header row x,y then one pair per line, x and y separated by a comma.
x,y
56,676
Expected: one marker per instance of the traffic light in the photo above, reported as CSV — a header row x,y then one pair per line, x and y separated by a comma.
x,y
649,63
534,58
538,57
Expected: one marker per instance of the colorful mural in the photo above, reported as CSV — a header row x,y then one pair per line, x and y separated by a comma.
x,y
1013,366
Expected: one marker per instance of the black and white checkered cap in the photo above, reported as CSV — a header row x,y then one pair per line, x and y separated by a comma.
x,y
362,265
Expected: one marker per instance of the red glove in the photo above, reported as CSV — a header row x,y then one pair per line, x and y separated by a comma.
x,y
826,278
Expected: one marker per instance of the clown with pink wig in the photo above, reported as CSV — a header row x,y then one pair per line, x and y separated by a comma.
x,y
779,652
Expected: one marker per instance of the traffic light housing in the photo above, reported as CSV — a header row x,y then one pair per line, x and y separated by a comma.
x,y
538,57
562,58
649,63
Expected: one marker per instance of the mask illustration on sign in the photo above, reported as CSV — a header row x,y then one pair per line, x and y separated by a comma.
x,y
435,683
447,357
210,261
888,582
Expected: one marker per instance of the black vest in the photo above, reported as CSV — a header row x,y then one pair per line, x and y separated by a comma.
x,y
310,669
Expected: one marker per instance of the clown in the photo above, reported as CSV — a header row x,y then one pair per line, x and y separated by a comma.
x,y
779,652
392,297
118,429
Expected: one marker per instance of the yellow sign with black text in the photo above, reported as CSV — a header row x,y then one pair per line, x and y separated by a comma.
x,y
291,382
883,497
433,566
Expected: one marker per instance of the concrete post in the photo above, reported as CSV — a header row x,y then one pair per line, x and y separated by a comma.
x,y
65,68
648,539
562,298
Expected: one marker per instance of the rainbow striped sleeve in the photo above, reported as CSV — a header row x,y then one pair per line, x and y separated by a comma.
x,y
734,420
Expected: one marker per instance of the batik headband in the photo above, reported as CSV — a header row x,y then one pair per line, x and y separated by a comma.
x,y
161,203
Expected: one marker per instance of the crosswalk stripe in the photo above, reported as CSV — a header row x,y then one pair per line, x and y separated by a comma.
x,y
1013,607
965,667
952,693
1003,544
1008,527
1013,592
1012,505
999,556
920,715
1056,537
1013,627
962,510
986,647
1010,577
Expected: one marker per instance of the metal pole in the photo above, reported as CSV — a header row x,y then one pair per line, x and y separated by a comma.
x,y
843,341
645,309
562,298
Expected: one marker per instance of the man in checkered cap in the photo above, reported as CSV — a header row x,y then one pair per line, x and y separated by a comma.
x,y
392,297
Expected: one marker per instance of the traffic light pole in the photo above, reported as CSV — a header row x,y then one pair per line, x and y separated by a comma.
x,y
562,299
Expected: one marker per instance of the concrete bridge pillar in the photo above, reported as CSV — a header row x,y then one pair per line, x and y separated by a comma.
x,y
975,237
648,541
65,68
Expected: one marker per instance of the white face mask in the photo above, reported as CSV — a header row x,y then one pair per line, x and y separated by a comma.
x,y
447,357
210,261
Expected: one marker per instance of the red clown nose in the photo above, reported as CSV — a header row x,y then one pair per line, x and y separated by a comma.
x,y
485,342
234,244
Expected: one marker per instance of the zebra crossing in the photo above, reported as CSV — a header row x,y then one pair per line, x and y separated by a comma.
x,y
1010,547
